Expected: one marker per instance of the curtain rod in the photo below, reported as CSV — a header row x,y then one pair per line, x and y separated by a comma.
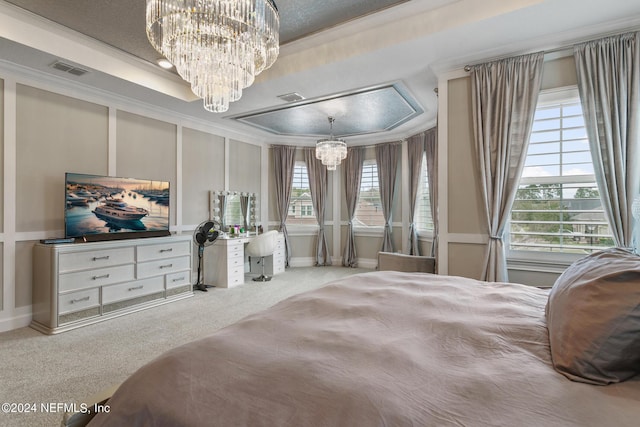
x,y
560,48
546,52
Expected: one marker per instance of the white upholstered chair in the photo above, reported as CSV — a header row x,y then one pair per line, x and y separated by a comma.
x,y
261,246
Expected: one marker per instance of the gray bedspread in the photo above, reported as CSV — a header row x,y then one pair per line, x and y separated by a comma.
x,y
376,349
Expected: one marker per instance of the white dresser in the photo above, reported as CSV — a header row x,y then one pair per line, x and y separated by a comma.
x,y
225,263
82,283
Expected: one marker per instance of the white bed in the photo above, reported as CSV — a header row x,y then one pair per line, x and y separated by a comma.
x,y
376,349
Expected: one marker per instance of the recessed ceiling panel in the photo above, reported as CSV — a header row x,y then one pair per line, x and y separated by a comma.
x,y
361,112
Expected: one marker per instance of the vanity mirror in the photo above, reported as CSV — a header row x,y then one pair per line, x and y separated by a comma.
x,y
232,208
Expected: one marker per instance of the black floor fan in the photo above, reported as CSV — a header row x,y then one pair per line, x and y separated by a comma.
x,y
204,235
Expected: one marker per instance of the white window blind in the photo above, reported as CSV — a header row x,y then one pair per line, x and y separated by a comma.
x,y
423,218
557,207
369,208
300,205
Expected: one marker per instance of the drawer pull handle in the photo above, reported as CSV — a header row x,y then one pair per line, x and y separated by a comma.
x,y
178,279
166,250
166,266
135,288
104,276
73,301
98,258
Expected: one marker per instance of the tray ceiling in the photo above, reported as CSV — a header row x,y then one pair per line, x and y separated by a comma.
x,y
365,111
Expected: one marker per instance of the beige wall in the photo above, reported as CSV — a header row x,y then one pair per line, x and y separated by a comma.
x,y
1,187
2,307
559,72
203,158
58,132
146,149
1,167
244,172
542,279
465,259
54,134
465,207
23,268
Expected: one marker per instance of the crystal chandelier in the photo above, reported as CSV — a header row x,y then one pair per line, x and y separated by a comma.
x,y
331,151
218,46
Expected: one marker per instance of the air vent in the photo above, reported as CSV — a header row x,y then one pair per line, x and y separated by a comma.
x,y
67,68
291,97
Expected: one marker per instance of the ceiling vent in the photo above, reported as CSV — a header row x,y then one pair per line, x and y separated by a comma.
x,y
291,97
67,68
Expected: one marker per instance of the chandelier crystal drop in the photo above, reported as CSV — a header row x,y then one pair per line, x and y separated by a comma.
x,y
218,46
331,151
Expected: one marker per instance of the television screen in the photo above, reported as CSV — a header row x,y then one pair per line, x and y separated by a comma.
x,y
105,207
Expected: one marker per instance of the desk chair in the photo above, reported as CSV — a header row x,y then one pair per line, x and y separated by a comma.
x,y
261,246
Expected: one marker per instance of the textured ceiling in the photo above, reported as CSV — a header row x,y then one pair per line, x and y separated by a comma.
x,y
120,23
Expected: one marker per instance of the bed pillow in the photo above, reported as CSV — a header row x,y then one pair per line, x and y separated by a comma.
x,y
593,317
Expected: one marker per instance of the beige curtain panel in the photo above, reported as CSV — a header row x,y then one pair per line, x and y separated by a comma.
x,y
609,85
504,97
318,182
352,179
284,162
387,158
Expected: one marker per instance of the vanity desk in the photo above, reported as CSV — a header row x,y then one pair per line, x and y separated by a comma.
x,y
225,262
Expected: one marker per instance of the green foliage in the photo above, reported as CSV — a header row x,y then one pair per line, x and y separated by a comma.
x,y
587,193
541,205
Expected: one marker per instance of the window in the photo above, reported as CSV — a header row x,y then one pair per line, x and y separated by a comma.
x,y
422,216
369,208
300,205
557,207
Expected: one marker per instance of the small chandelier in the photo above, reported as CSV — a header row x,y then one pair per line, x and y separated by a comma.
x,y
218,46
331,151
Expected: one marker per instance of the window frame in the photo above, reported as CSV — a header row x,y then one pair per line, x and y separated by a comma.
x,y
307,226
371,230
516,257
423,186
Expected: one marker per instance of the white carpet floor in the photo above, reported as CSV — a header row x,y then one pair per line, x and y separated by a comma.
x,y
74,365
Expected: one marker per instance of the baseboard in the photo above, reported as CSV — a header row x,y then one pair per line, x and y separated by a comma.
x,y
367,263
302,262
15,322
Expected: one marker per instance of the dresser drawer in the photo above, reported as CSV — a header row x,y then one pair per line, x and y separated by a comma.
x,y
278,268
235,278
74,261
163,266
76,301
279,252
175,280
124,291
235,251
163,251
94,278
235,262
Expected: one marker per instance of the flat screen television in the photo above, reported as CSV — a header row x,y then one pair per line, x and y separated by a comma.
x,y
108,208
